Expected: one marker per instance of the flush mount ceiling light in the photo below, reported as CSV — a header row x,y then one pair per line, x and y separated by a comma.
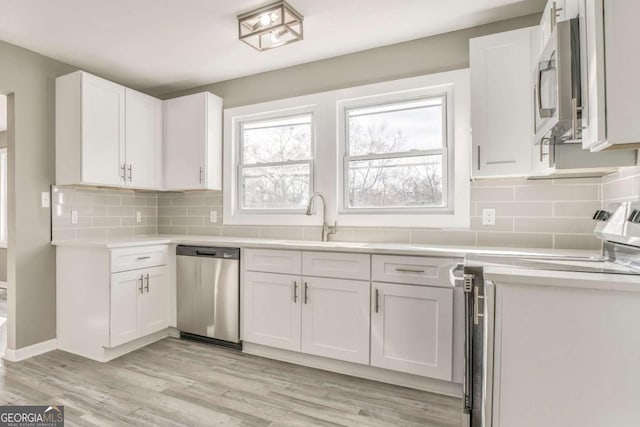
x,y
270,26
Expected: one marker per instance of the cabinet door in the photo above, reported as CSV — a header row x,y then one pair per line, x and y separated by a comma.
x,y
335,319
412,329
125,322
143,140
155,303
502,103
103,131
552,342
185,135
272,310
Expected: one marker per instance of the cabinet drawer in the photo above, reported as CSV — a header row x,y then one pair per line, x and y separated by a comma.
x,y
272,261
412,270
336,264
139,257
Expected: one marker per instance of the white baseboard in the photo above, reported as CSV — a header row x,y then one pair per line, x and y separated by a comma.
x,y
356,370
20,354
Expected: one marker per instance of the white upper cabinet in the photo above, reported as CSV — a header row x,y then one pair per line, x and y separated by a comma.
x,y
90,132
106,134
611,32
502,103
193,142
143,140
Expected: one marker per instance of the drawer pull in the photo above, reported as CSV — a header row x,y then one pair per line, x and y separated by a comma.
x,y
409,270
140,258
377,300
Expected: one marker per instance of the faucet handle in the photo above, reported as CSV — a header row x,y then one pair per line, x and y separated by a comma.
x,y
332,229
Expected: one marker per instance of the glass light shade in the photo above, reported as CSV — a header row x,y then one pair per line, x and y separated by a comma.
x,y
270,26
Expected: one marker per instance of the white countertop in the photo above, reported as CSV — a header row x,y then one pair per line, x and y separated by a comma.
x,y
380,248
569,279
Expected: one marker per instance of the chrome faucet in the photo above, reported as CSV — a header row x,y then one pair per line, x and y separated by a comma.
x,y
326,229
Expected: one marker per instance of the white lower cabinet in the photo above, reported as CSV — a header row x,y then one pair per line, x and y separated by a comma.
x,y
335,318
138,304
272,312
327,306
412,329
111,301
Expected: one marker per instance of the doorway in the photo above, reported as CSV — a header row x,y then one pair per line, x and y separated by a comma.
x,y
4,314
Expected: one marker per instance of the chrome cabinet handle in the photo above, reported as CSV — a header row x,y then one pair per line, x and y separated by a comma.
x,y
377,301
554,15
476,305
141,283
147,287
408,270
306,292
295,291
123,175
478,157
201,175
140,258
130,169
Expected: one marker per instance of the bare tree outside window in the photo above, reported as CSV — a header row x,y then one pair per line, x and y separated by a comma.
x,y
395,155
276,163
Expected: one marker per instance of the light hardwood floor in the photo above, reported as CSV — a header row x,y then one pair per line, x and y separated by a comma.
x,y
181,382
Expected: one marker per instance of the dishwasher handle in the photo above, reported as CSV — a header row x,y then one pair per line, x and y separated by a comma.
x,y
208,252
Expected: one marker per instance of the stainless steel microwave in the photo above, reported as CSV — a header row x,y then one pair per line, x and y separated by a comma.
x,y
558,86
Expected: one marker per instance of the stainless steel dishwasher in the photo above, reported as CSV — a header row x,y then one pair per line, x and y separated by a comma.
x,y
209,294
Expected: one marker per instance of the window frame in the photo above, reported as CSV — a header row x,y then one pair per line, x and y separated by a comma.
x,y
328,130
240,165
447,145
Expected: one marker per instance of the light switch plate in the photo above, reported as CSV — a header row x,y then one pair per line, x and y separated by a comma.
x,y
488,216
45,199
213,217
138,216
74,217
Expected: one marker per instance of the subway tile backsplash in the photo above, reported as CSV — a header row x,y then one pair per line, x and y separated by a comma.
x,y
102,213
539,214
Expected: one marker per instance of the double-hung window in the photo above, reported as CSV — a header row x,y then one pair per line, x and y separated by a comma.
x,y
396,155
275,164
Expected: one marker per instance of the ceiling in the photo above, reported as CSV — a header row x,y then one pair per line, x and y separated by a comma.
x,y
166,45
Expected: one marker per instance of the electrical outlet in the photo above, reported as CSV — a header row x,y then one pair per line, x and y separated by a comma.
x,y
45,199
138,216
489,216
213,217
74,217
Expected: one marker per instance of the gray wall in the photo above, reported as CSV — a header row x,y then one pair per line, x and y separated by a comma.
x,y
445,52
29,79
